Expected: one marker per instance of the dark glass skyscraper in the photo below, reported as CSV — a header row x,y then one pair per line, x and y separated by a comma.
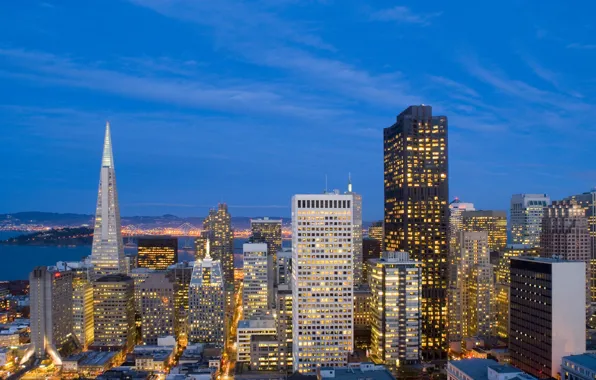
x,y
218,229
416,212
157,252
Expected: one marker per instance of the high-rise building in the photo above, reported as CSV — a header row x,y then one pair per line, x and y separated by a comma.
x,y
456,209
375,231
180,275
371,249
200,246
139,275
588,202
491,221
107,252
157,252
218,229
323,281
82,308
566,235
283,323
357,234
284,267
474,288
502,283
114,314
267,231
416,212
157,307
206,301
526,218
362,319
547,313
51,311
395,309
257,293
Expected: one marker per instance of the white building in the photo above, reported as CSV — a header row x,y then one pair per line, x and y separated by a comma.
x,y
547,319
249,328
322,274
526,218
257,292
357,234
483,369
283,268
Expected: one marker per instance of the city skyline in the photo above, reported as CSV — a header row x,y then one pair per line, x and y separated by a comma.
x,y
508,90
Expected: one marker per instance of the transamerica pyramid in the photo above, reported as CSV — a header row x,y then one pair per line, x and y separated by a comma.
x,y
107,253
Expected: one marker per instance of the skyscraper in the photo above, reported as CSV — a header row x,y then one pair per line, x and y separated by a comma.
x,y
375,231
157,252
200,244
566,235
82,307
395,309
107,252
257,293
526,218
51,311
456,209
114,312
322,276
267,231
283,267
157,307
180,275
357,235
283,323
416,212
492,221
218,227
547,319
206,299
371,249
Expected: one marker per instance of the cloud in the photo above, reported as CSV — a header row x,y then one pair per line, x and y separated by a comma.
x,y
465,90
577,45
404,15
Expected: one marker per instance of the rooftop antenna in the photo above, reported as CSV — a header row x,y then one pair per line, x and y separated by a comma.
x,y
349,182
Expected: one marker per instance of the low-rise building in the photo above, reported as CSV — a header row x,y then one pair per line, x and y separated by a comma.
x,y
89,363
153,358
484,369
249,328
355,371
579,367
264,353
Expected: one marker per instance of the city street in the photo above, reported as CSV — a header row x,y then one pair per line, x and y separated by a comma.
x,y
229,355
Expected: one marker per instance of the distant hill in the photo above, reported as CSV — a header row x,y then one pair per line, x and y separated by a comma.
x,y
61,236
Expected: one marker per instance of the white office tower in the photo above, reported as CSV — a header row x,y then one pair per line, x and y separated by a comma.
x,y
257,292
51,312
206,299
395,309
357,234
456,209
322,274
526,215
107,253
547,318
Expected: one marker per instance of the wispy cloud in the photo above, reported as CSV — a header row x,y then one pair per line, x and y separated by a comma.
x,y
455,86
404,15
581,46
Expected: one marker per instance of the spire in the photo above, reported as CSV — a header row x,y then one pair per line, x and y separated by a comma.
x,y
349,182
207,249
107,160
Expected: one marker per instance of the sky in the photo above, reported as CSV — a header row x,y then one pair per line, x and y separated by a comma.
x,y
250,102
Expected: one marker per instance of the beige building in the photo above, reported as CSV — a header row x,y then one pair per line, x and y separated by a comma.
x,y
156,294
114,316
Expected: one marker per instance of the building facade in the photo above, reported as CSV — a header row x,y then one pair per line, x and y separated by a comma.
x,y
526,218
416,211
82,308
547,313
323,280
247,329
492,221
283,323
157,307
267,231
357,234
114,314
362,316
395,309
107,252
180,275
376,231
218,230
157,252
579,367
257,292
283,268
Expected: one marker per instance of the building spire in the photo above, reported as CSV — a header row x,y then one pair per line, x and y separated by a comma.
x,y
107,160
207,249
349,182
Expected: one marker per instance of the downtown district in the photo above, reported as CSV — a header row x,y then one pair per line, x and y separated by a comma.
x,y
436,290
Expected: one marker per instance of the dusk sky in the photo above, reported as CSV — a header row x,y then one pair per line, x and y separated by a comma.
x,y
250,102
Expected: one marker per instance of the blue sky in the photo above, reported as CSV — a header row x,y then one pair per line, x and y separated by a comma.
x,y
250,102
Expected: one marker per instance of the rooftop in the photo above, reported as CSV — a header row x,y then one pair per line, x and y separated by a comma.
x,y
500,368
477,369
584,360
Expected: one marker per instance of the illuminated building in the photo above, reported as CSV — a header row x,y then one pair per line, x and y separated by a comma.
x,y
588,202
82,308
247,329
395,309
503,281
218,229
493,222
475,287
139,275
566,235
114,314
323,281
547,319
51,311
456,209
264,353
157,307
526,218
371,250
157,252
180,275
257,292
206,301
267,231
362,324
375,231
283,325
200,246
107,252
284,267
357,234
416,212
